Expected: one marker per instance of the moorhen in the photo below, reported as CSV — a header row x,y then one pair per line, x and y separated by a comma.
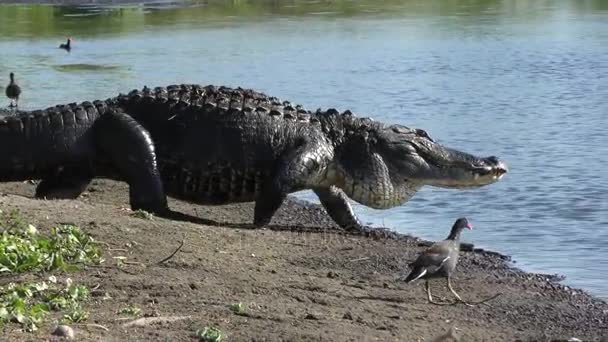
x,y
12,91
439,260
67,46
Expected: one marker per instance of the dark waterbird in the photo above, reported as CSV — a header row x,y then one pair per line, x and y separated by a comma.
x,y
67,46
13,91
439,261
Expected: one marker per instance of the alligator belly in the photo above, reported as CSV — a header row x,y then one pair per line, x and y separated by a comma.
x,y
211,186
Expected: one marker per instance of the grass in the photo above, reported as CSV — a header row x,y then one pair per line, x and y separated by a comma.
x,y
142,214
238,308
29,304
24,249
130,310
209,334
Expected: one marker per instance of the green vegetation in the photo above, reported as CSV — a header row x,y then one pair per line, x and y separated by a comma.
x,y
142,214
52,22
239,309
28,304
130,310
209,334
24,249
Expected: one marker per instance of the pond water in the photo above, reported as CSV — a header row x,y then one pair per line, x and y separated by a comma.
x,y
526,81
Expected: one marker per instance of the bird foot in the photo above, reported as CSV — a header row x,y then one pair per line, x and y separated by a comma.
x,y
484,301
443,302
460,301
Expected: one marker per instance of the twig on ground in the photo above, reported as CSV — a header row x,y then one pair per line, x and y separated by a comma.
x,y
118,250
150,320
468,303
92,325
359,259
172,254
134,263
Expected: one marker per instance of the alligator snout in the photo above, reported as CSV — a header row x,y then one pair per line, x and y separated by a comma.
x,y
495,166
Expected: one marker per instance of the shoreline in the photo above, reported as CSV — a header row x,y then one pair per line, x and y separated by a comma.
x,y
87,2
300,278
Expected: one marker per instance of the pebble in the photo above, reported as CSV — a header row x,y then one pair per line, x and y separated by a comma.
x,y
311,316
64,331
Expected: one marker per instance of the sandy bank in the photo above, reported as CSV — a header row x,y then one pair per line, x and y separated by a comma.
x,y
297,285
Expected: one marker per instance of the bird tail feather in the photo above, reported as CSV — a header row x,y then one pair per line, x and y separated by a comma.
x,y
415,274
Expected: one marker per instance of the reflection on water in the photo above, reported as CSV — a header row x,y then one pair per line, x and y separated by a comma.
x,y
86,67
523,80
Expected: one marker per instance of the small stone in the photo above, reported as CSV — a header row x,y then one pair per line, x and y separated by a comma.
x,y
311,316
348,316
64,331
332,275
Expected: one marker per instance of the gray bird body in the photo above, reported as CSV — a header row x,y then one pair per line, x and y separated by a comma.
x,y
13,90
439,260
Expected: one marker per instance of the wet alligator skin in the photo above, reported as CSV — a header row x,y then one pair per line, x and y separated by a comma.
x,y
213,145
221,178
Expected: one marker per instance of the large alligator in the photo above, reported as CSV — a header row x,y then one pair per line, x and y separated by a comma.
x,y
217,145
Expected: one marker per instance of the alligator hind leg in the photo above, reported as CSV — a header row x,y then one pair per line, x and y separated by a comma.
x,y
66,183
130,150
336,204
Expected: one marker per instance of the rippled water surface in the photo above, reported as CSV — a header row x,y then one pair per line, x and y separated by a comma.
x,y
527,81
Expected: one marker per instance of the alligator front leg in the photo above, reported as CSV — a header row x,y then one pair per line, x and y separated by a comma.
x,y
292,170
337,206
130,150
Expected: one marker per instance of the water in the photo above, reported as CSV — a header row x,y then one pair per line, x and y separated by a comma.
x,y
527,81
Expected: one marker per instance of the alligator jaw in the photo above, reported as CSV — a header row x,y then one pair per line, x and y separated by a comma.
x,y
491,170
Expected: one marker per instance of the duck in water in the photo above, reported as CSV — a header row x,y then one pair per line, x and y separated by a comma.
x,y
67,46
13,91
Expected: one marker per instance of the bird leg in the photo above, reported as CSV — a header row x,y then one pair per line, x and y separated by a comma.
x,y
430,297
469,303
458,298
428,291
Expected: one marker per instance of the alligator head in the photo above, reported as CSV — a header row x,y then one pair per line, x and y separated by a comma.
x,y
383,166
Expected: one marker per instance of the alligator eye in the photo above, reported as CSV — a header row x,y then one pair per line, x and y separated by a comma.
x,y
400,129
423,134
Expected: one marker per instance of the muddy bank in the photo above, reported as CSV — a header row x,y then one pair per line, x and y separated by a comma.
x,y
300,280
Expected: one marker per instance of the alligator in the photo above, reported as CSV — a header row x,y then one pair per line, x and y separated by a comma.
x,y
216,145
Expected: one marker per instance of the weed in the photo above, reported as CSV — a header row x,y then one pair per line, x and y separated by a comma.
x,y
238,308
23,249
130,310
28,304
209,334
142,214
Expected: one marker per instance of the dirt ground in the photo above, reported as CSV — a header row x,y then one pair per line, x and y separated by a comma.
x,y
299,283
